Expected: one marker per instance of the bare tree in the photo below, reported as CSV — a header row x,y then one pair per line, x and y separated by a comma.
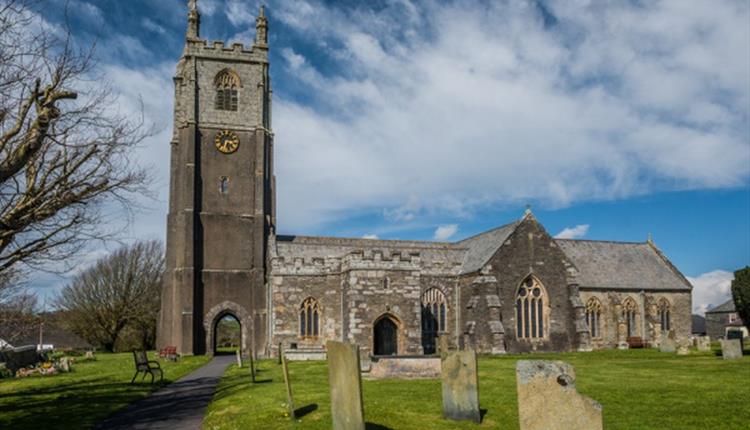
x,y
18,317
120,291
65,151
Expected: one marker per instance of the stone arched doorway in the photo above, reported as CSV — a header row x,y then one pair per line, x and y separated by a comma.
x,y
227,334
228,310
385,336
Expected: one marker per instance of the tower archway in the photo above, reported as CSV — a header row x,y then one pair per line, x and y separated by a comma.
x,y
228,312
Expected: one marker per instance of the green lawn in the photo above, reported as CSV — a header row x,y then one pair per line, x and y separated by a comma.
x,y
79,399
640,389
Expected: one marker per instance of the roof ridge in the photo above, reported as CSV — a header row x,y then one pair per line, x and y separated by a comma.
x,y
291,237
624,242
486,232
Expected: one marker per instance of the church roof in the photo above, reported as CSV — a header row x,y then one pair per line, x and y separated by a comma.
x,y
480,248
622,265
727,306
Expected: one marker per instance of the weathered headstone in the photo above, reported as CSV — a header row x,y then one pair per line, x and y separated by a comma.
x,y
731,349
65,364
239,358
89,355
443,345
683,350
345,382
548,399
288,383
461,386
667,342
704,344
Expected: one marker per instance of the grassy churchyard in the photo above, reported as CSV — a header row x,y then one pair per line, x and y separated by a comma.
x,y
640,389
83,397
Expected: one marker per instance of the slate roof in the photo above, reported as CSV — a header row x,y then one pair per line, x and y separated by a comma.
x,y
727,306
622,265
480,248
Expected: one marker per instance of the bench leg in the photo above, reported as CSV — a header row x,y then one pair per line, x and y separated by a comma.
x,y
134,376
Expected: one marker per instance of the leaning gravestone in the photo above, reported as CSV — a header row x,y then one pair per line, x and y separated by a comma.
x,y
667,343
731,349
288,383
704,343
345,382
461,386
548,399
443,346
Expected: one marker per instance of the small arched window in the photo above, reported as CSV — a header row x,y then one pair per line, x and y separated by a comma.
x,y
593,317
530,310
224,185
630,311
309,318
227,84
664,315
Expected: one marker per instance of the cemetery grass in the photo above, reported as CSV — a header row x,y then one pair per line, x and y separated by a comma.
x,y
83,397
640,389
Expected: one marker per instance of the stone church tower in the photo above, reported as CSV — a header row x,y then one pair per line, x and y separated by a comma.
x,y
222,193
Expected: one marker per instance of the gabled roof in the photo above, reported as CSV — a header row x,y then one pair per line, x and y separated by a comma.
x,y
727,306
482,247
622,265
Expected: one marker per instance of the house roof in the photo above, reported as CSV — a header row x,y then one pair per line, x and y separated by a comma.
x,y
622,265
727,306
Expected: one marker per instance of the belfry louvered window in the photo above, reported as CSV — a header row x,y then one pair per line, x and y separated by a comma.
x,y
227,85
531,310
309,318
664,315
593,317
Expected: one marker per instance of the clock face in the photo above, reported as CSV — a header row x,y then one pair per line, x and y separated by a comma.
x,y
227,141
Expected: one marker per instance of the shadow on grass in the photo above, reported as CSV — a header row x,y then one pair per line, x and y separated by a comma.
x,y
373,426
304,410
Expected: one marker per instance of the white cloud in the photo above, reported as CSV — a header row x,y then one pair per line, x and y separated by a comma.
x,y
445,232
573,232
370,236
711,289
481,104
151,25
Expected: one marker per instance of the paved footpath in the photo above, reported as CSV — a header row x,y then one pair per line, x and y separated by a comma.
x,y
180,405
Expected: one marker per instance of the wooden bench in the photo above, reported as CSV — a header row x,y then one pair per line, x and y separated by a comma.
x,y
169,352
142,364
636,342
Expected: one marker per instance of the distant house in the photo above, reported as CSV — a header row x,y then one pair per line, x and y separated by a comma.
x,y
699,325
723,318
54,335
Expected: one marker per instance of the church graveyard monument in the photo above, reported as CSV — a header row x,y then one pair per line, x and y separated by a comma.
x,y
461,386
667,342
704,344
731,349
548,399
345,382
288,384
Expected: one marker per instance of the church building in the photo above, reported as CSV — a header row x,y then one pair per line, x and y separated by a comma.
x,y
512,289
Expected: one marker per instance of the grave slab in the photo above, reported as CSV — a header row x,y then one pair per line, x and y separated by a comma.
x,y
461,386
345,382
548,399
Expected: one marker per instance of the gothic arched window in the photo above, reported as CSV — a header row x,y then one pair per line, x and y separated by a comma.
x,y
593,317
309,318
531,306
434,318
664,315
630,311
227,84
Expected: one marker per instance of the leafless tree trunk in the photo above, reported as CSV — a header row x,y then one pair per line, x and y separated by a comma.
x,y
119,291
65,151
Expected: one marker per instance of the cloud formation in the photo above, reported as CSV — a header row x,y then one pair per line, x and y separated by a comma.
x,y
449,107
711,289
576,232
445,232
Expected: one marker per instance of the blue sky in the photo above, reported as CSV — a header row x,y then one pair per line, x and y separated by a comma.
x,y
438,120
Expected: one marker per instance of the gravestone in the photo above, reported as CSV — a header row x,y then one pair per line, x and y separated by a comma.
x,y
239,358
667,343
683,350
548,399
731,349
443,346
65,364
288,383
704,344
89,355
461,386
345,382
